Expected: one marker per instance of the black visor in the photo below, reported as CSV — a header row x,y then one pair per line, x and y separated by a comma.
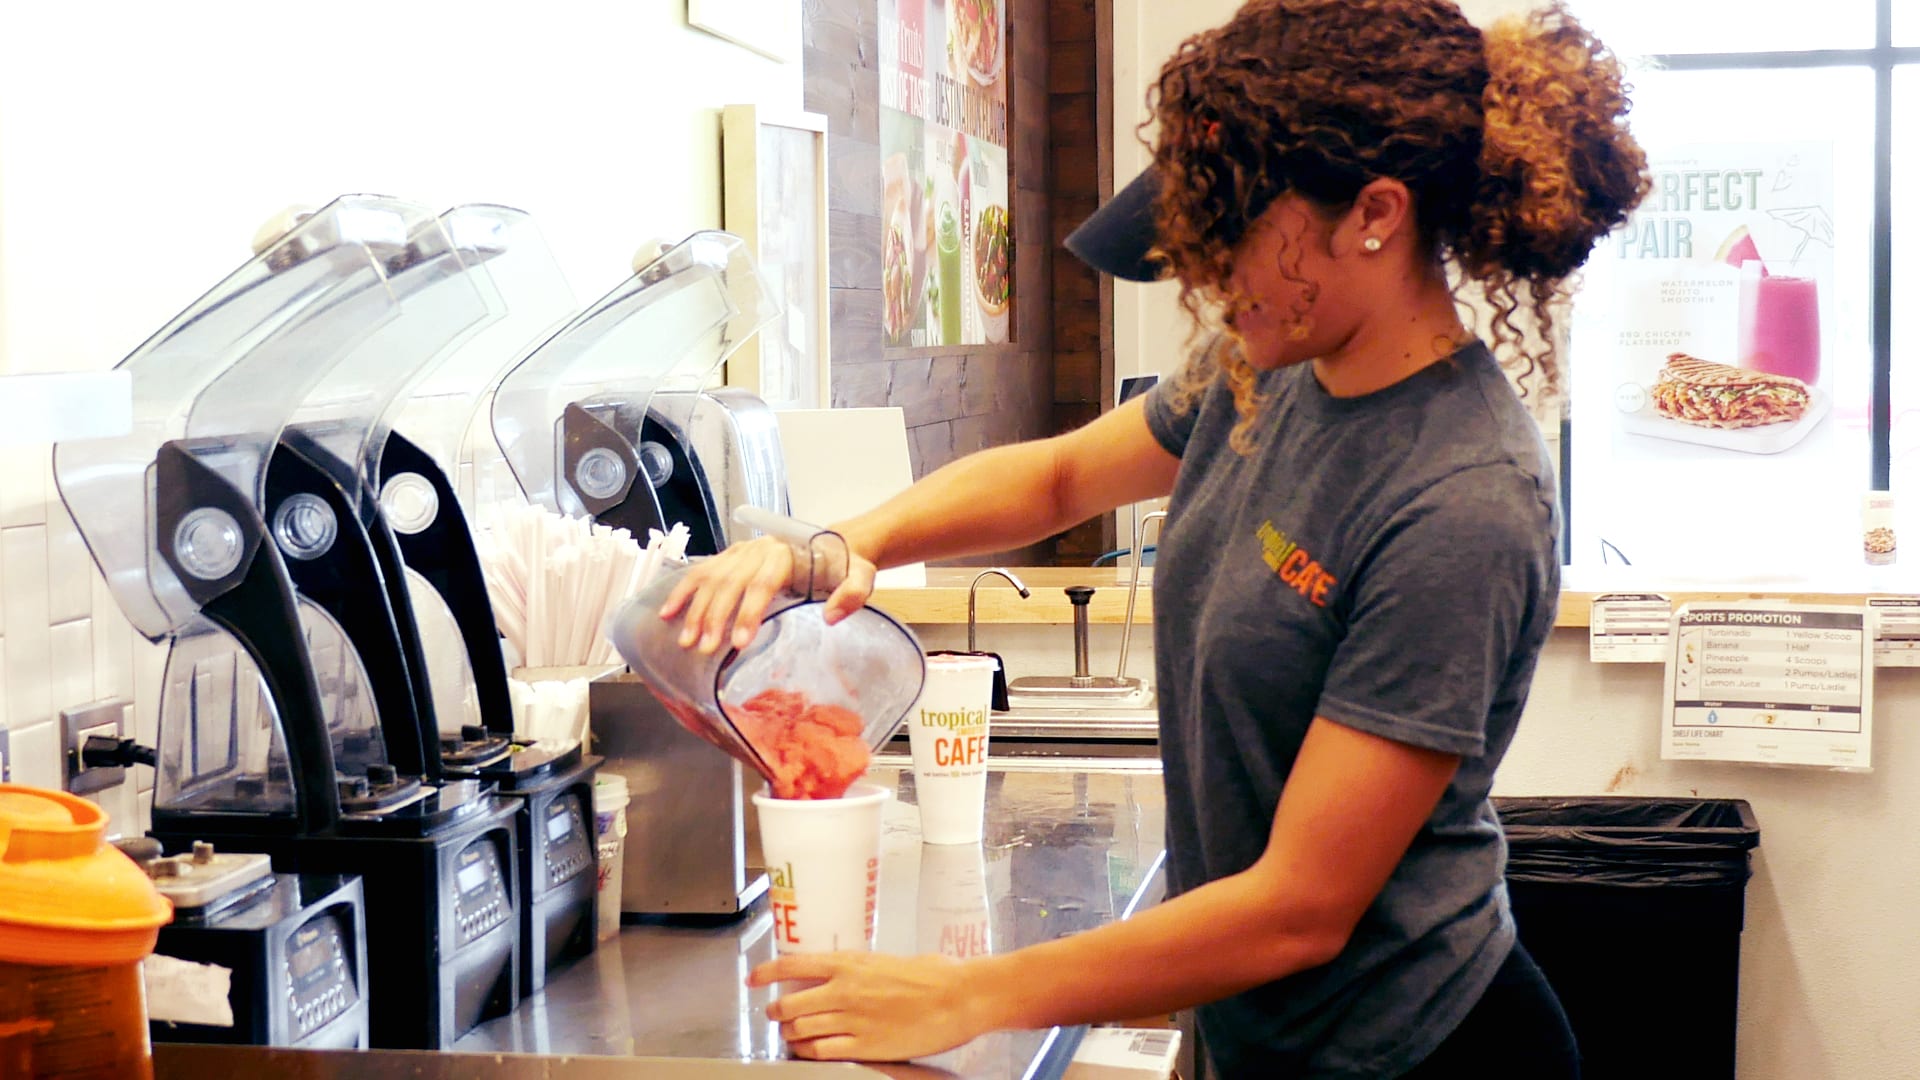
x,y
1120,236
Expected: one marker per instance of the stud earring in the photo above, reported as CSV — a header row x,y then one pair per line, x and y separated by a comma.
x,y
1372,243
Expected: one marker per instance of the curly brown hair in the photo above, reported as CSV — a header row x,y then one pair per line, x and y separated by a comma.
x,y
1513,144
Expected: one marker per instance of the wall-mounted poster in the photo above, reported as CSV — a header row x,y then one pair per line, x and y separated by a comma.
x,y
946,207
1720,380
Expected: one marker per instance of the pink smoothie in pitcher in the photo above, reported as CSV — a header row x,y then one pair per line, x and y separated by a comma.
x,y
1780,325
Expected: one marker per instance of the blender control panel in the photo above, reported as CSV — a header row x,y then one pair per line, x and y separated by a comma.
x,y
320,982
482,900
568,848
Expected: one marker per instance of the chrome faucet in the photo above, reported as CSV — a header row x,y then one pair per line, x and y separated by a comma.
x,y
973,590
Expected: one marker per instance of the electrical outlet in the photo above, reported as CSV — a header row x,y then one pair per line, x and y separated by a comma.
x,y
113,719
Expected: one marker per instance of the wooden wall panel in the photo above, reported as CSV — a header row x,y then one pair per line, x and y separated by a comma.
x,y
958,400
1082,367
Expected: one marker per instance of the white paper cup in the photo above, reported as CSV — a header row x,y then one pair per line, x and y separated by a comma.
x,y
947,730
823,868
610,836
955,918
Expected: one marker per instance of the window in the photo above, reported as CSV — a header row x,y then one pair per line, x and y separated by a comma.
x,y
1724,28
1906,278
1767,245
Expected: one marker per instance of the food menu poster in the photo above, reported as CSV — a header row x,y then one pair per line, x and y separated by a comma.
x,y
1713,304
946,224
1781,685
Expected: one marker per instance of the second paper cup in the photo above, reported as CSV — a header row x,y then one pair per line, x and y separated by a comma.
x,y
823,868
947,730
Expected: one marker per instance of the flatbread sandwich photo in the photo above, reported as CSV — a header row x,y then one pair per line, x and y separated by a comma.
x,y
1706,394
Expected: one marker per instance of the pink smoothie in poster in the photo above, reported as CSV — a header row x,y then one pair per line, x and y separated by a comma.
x,y
1780,324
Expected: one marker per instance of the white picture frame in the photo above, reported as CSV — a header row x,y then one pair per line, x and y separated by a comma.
x,y
774,171
768,27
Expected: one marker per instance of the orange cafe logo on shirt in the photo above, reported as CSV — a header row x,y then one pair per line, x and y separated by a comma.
x,y
1297,569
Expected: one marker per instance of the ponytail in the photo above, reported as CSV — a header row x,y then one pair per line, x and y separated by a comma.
x,y
1558,169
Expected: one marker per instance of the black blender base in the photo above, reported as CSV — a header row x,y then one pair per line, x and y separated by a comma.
x,y
559,867
443,919
296,969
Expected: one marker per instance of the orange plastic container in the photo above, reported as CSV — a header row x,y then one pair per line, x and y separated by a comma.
x,y
76,919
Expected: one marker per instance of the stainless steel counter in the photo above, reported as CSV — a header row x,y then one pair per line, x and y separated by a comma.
x,y
1064,851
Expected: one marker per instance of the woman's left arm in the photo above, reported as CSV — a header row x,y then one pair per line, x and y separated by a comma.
x,y
1351,806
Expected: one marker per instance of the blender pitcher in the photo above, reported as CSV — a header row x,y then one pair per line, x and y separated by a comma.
x,y
869,664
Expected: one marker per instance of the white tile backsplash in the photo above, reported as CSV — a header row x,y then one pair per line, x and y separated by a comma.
x,y
36,755
72,666
144,806
23,484
70,570
149,669
122,804
113,639
54,654
24,623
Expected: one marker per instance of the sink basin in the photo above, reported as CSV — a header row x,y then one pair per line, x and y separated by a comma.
x,y
1064,698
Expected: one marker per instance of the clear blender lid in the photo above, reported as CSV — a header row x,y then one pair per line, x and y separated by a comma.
x,y
667,328
529,299
523,285
224,377
347,410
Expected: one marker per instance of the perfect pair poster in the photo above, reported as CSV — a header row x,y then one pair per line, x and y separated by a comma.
x,y
1720,298
946,212
1719,378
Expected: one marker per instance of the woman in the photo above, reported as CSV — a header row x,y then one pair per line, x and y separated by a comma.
x,y
1360,565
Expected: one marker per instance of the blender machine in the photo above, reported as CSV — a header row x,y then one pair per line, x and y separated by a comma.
x,y
271,738
614,418
410,459
294,948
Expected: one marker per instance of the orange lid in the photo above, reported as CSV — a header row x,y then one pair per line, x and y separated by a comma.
x,y
66,897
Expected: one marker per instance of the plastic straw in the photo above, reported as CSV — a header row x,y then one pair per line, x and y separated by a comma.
x,y
554,580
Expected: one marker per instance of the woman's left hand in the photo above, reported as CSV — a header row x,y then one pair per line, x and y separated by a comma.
x,y
874,1007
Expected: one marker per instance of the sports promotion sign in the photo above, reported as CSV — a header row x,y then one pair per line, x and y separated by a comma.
x,y
946,228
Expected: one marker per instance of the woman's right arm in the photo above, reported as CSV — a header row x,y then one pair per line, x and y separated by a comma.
x,y
1012,496
995,500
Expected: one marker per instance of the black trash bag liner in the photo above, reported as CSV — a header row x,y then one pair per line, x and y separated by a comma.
x,y
1624,841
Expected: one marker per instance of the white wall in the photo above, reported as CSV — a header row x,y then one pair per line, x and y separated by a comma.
x,y
142,144
1149,328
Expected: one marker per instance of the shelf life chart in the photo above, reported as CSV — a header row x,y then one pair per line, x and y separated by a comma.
x,y
1778,684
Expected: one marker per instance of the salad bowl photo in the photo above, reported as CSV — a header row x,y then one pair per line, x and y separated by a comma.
x,y
993,271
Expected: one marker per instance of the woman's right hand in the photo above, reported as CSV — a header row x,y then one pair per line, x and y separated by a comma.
x,y
726,597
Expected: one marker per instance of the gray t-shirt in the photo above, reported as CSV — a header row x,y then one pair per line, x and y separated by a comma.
x,y
1389,562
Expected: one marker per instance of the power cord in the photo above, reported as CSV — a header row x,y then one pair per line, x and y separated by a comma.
x,y
107,752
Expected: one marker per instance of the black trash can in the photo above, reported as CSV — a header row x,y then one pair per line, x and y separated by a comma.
x,y
1633,908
